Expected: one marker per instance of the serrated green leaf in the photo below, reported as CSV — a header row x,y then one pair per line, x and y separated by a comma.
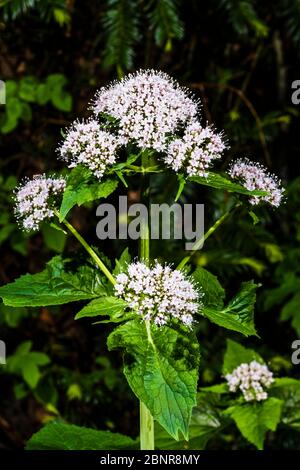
x,y
54,286
238,315
112,307
214,180
237,354
214,293
206,422
161,367
255,419
60,436
82,188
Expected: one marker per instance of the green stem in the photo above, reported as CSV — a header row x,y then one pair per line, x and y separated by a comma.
x,y
89,249
209,232
146,419
146,428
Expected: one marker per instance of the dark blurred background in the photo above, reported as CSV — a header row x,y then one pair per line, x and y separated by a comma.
x,y
240,57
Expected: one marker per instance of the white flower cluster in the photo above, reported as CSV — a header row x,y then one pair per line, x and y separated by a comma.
x,y
158,293
35,199
87,144
196,151
252,379
149,106
255,177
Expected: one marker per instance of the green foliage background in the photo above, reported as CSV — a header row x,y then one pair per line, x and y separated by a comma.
x,y
240,57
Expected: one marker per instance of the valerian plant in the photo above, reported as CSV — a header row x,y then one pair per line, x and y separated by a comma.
x,y
145,123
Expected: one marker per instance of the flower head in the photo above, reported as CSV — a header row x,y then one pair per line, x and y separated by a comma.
x,y
252,379
35,200
148,105
87,144
196,150
158,293
255,177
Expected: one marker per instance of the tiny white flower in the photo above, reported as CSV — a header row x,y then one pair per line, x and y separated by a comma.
x,y
159,293
149,107
255,177
250,379
196,150
35,200
87,144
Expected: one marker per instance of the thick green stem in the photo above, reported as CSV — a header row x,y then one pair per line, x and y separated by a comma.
x,y
146,428
89,249
146,419
209,232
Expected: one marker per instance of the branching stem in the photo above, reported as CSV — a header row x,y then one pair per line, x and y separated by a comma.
x,y
88,248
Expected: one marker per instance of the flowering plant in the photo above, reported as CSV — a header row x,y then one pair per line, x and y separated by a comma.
x,y
141,125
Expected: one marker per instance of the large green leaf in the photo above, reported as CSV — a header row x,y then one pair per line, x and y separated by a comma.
x,y
237,354
213,291
288,390
82,188
60,436
238,315
112,307
206,422
161,367
255,419
54,286
214,180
